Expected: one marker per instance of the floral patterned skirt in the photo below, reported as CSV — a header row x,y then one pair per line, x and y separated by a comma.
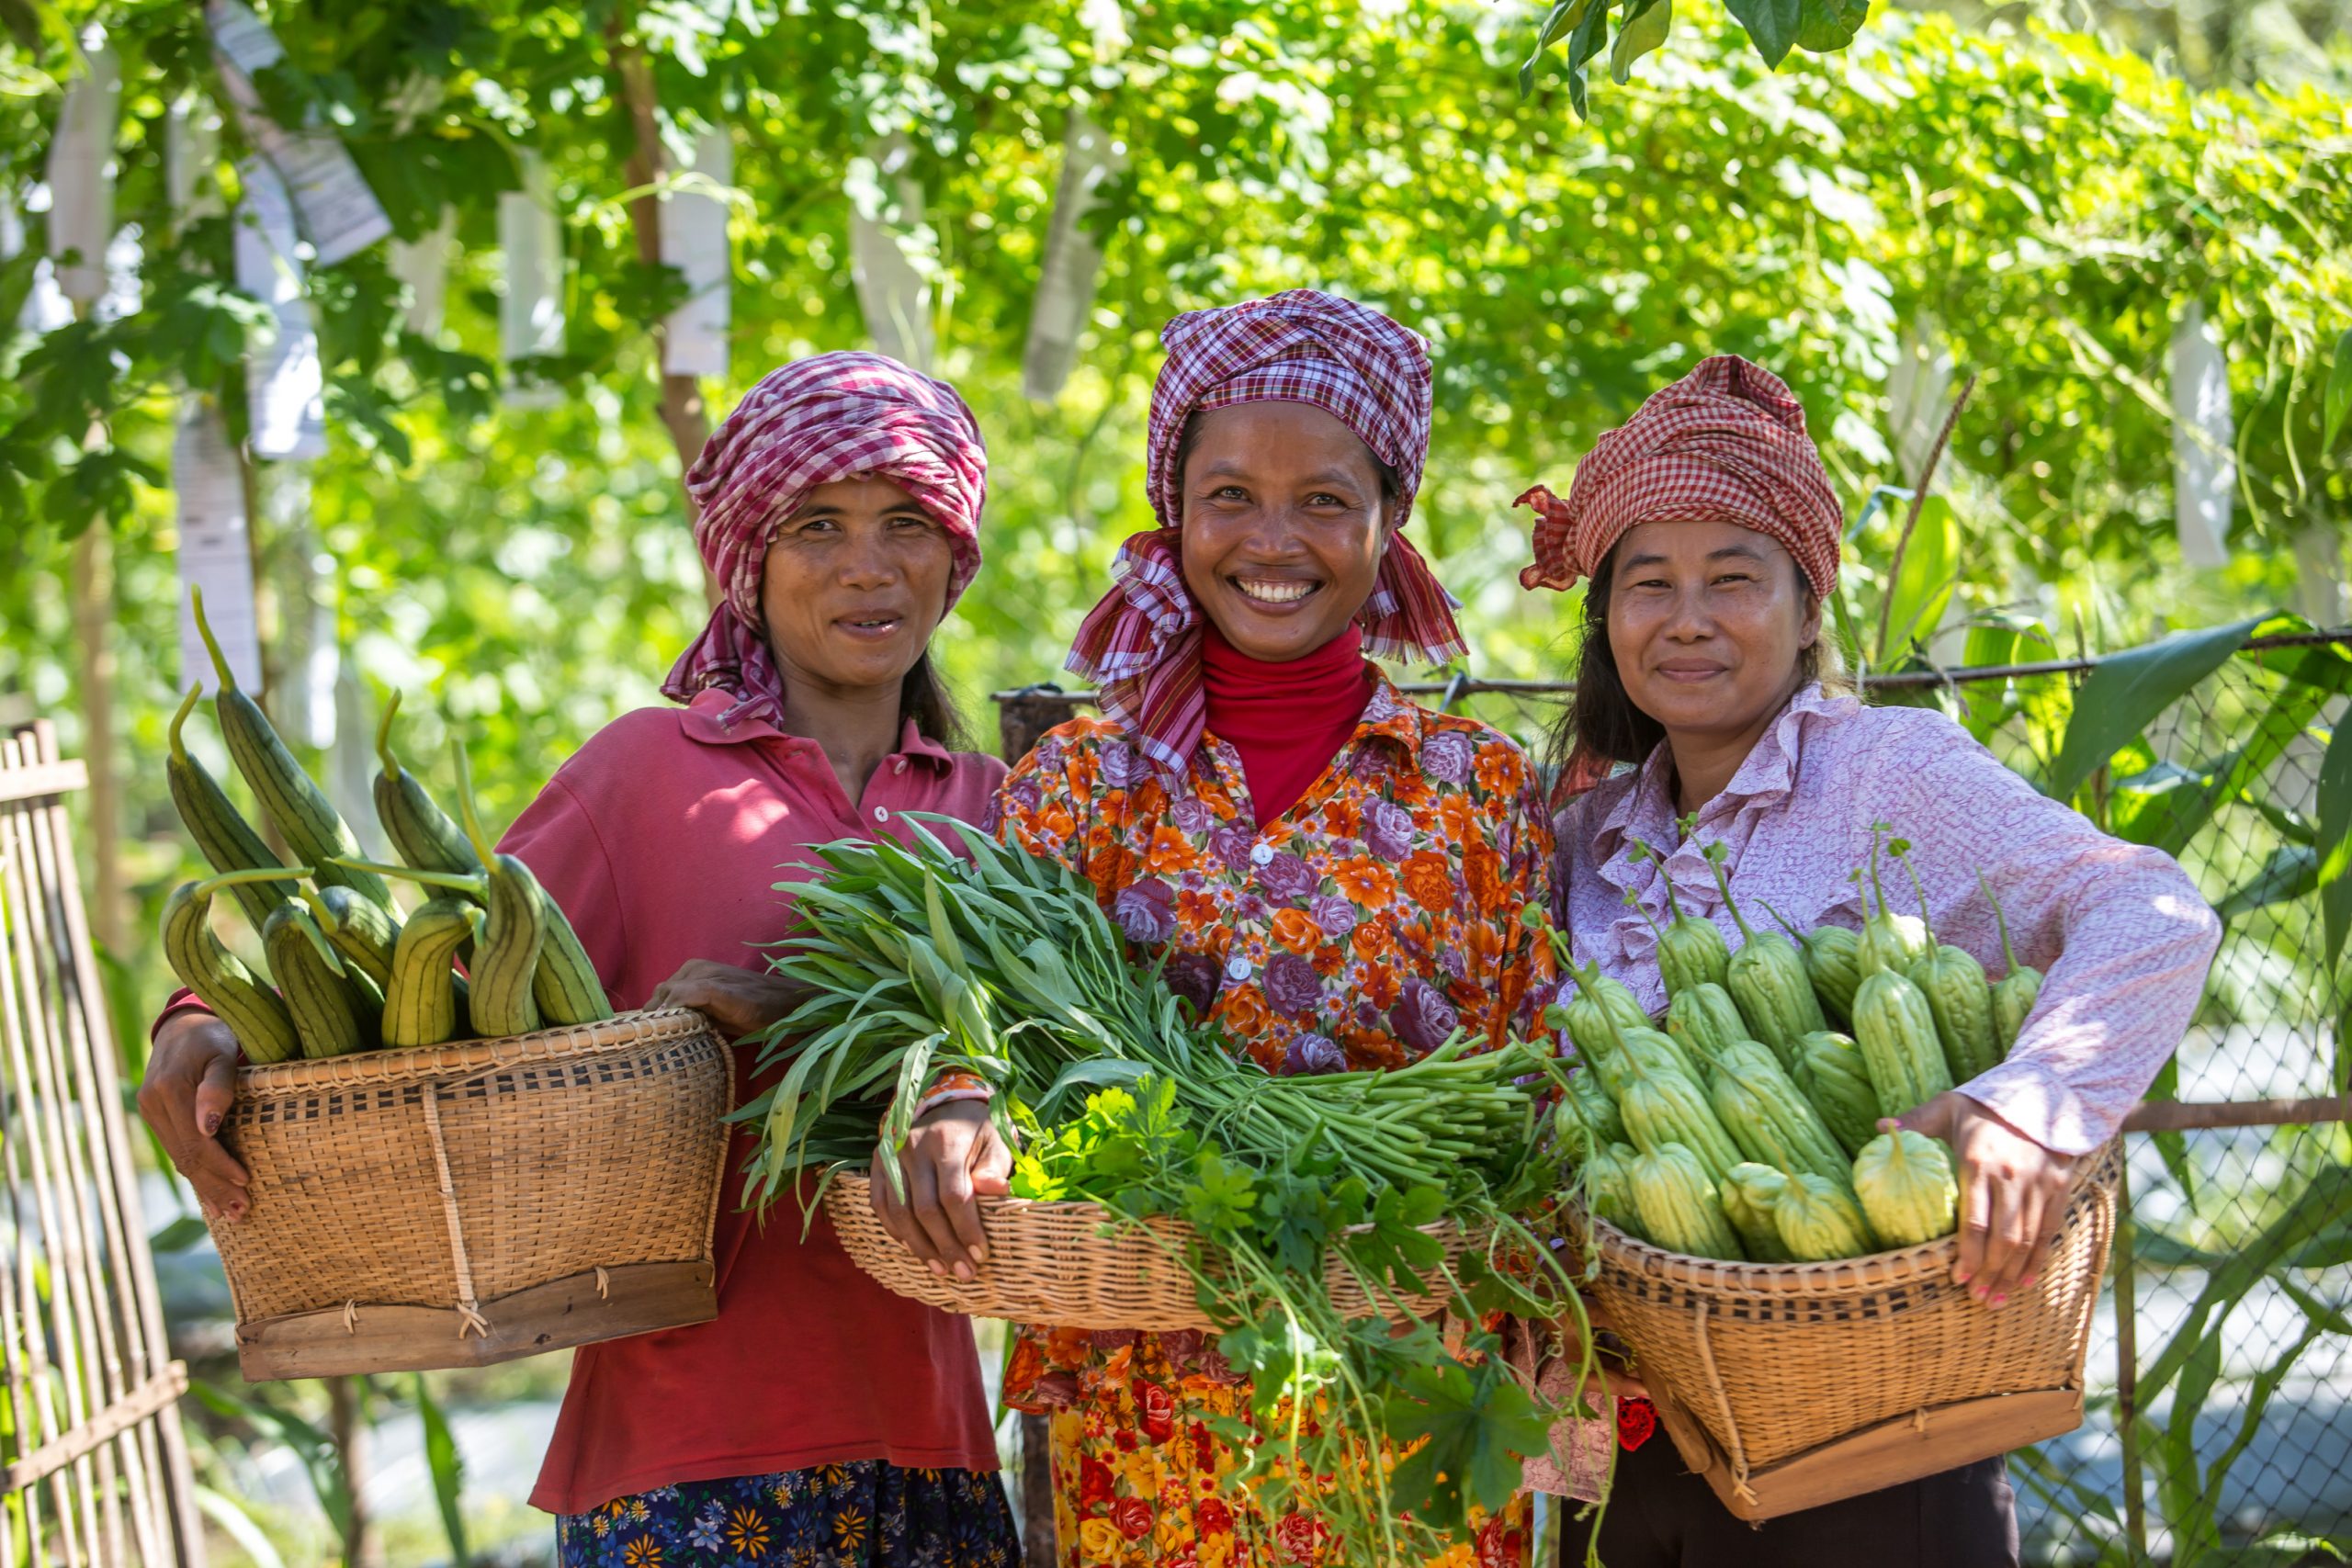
x,y
867,1514
1141,1481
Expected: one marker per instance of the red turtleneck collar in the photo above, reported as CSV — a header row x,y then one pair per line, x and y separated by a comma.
x,y
1287,720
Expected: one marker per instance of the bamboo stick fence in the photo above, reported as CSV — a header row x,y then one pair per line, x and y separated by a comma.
x,y
95,1468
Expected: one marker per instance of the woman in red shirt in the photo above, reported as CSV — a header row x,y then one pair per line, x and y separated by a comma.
x,y
818,1416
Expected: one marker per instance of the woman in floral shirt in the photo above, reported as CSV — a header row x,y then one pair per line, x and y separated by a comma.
x,y
1336,874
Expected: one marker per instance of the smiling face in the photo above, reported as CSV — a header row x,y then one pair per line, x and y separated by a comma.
x,y
854,583
1284,527
1706,623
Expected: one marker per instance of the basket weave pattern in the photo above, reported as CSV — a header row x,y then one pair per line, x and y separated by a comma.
x,y
450,1176
1071,1265
1776,1359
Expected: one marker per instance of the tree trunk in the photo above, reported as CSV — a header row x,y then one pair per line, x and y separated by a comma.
x,y
93,597
347,1425
684,413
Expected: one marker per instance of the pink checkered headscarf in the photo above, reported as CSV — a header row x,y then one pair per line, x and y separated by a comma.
x,y
1725,444
1141,645
829,417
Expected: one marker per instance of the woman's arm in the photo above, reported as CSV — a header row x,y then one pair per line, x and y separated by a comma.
x,y
2120,933
2124,940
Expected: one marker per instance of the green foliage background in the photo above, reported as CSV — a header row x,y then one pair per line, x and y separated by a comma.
x,y
2039,205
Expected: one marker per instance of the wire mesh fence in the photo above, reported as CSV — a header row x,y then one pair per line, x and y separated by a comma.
x,y
2218,1414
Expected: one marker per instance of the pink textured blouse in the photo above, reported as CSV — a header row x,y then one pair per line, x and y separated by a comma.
x,y
2121,933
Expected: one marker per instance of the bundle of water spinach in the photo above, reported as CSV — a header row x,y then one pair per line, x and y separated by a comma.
x,y
916,960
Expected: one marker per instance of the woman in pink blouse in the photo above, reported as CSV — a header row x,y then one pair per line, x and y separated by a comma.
x,y
1709,532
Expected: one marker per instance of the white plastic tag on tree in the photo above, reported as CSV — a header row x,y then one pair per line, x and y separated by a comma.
x,y
893,253
1065,283
423,268
2204,441
338,212
81,176
1918,394
308,656
531,319
351,761
215,549
45,309
192,162
284,383
694,240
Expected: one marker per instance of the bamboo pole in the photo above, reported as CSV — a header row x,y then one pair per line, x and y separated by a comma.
x,y
78,1252
684,413
154,1452
92,593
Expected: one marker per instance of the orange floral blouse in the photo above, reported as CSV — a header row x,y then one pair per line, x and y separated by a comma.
x,y
1360,929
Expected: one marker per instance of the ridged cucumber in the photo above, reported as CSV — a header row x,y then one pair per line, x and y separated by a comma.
x,y
362,931
564,986
222,836
254,1014
421,1005
422,833
326,1006
302,813
506,953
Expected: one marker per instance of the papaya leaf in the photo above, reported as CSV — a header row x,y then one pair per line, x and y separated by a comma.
x,y
1644,28
1826,26
1585,43
1558,23
2128,690
1772,26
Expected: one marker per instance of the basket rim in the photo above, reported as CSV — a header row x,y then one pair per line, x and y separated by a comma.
x,y
362,1069
854,1185
1841,1276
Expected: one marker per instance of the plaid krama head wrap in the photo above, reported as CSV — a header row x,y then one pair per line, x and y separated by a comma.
x,y
829,417
1726,443
1141,645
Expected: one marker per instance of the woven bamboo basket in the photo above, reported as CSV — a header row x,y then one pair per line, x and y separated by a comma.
x,y
1794,1384
1071,1265
468,1203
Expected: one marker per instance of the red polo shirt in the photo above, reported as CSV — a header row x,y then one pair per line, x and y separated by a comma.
x,y
662,840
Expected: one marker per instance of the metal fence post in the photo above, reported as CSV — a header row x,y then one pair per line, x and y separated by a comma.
x,y
2127,1370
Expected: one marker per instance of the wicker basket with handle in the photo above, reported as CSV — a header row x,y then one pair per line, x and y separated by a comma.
x,y
1072,1265
1793,1385
467,1203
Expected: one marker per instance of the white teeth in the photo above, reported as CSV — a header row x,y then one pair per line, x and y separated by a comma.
x,y
1275,593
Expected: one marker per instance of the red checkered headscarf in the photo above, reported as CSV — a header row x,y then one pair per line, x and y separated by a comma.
x,y
1141,645
1726,443
816,420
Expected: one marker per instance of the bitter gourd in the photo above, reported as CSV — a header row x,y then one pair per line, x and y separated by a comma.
x,y
1767,977
1906,1187
1829,1070
2016,992
1703,1020
1680,1210
1819,1221
1773,1123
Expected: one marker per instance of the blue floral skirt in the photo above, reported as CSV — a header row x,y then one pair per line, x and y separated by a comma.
x,y
868,1514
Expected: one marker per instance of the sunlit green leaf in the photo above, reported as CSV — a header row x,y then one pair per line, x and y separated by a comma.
x,y
2132,688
